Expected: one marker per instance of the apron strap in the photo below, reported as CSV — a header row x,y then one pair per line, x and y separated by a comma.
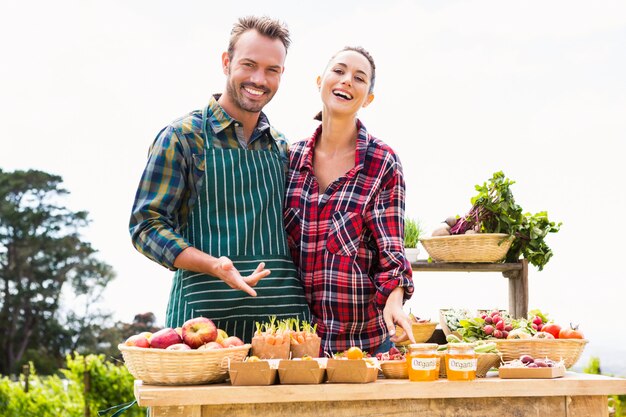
x,y
207,140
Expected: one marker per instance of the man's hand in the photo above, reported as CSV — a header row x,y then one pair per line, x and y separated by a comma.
x,y
394,314
195,260
227,272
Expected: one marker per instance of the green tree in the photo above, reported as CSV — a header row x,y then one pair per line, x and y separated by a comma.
x,y
41,253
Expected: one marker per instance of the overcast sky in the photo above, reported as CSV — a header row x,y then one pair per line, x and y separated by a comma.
x,y
536,89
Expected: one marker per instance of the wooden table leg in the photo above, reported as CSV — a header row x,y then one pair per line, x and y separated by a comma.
x,y
518,290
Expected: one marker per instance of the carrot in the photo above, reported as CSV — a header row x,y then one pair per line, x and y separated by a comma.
x,y
270,339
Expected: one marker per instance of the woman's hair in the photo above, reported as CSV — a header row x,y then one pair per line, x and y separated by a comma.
x,y
367,56
266,26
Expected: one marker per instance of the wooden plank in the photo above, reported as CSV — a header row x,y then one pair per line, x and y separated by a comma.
x,y
465,267
587,406
518,290
449,407
572,384
177,411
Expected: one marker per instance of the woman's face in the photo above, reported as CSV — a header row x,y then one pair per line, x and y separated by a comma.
x,y
345,84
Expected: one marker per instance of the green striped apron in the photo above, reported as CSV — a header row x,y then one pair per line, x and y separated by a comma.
x,y
238,214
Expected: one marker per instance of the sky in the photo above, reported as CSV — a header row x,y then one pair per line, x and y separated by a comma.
x,y
463,89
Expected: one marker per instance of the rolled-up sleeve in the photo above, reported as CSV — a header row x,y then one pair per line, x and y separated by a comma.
x,y
386,222
156,214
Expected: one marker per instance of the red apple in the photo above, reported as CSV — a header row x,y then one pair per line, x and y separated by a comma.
x,y
138,340
210,346
179,330
198,331
164,338
178,346
232,341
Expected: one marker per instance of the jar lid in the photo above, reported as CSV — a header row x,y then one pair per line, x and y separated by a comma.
x,y
423,346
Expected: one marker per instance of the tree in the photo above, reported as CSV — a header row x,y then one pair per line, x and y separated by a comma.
x,y
41,253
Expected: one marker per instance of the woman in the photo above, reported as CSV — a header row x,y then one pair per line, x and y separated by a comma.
x,y
344,215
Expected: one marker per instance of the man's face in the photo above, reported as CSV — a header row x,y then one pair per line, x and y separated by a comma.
x,y
254,71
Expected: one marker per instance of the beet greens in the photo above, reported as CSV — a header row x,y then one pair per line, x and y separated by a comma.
x,y
494,210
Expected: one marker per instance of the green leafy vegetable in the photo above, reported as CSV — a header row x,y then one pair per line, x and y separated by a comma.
x,y
412,232
494,210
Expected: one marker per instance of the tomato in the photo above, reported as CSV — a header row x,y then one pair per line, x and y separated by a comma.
x,y
354,353
571,333
553,329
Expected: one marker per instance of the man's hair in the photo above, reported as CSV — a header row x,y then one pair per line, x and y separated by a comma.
x,y
266,26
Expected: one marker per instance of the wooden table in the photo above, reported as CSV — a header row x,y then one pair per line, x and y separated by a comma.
x,y
574,395
516,272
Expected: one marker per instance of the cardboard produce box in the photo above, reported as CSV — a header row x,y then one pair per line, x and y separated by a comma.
x,y
252,373
531,373
354,371
301,372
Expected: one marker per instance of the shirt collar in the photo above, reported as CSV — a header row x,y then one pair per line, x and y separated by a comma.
x,y
362,141
220,120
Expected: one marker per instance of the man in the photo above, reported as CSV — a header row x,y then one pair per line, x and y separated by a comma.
x,y
209,203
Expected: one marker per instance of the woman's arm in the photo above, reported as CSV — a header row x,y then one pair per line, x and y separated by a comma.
x,y
392,274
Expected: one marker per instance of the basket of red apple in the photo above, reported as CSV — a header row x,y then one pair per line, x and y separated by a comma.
x,y
196,353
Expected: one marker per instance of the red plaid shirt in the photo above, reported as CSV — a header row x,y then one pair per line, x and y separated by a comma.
x,y
348,246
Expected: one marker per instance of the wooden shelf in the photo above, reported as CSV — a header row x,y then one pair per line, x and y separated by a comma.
x,y
516,272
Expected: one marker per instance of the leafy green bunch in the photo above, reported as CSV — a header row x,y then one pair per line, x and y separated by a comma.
x,y
494,210
412,232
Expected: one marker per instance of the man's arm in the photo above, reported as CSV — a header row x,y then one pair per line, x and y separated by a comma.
x,y
155,217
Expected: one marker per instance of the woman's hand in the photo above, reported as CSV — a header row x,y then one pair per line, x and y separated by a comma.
x,y
394,314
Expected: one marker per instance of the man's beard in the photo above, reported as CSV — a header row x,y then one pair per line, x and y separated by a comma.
x,y
243,102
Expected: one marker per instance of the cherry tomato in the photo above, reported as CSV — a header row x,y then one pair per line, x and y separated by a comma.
x,y
571,333
552,328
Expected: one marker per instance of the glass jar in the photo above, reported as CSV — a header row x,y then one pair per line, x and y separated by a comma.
x,y
461,362
423,362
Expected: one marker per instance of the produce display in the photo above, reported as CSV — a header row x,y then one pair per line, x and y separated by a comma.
x,y
198,333
494,210
498,324
528,367
476,338
527,361
284,339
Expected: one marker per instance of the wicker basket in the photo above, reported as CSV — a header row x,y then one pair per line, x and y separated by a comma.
x,y
479,247
394,369
181,367
421,332
568,350
485,361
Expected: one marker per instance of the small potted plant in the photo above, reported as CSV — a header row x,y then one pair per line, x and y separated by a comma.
x,y
412,232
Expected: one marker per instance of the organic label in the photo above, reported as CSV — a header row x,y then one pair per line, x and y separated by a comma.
x,y
424,364
462,364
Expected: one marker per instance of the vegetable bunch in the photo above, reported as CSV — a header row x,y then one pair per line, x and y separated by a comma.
x,y
494,210
412,232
